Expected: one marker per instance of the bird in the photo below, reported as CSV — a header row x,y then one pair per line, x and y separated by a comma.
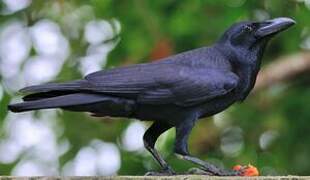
x,y
174,92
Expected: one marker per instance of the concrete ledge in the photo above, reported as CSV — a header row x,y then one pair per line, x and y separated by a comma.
x,y
179,177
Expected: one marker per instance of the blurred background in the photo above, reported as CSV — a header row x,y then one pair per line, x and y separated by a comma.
x,y
60,40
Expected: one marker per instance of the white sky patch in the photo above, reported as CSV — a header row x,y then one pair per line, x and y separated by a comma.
x,y
132,138
14,83
15,5
40,69
267,138
28,167
75,20
91,63
99,158
232,141
98,31
9,151
95,33
261,14
117,26
85,162
305,44
15,45
96,58
68,169
307,3
48,39
221,120
63,147
26,131
108,158
1,92
52,48
34,142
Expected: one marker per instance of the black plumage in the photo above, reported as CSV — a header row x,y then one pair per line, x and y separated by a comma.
x,y
173,92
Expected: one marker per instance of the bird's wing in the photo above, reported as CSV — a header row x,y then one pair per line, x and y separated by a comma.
x,y
164,83
191,87
129,81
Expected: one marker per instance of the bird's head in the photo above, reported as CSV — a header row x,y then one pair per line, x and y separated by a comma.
x,y
254,34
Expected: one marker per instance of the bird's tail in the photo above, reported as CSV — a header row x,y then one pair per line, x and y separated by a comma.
x,y
54,86
61,101
55,95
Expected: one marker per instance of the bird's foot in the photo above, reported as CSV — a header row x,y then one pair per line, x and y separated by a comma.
x,y
211,169
218,172
164,172
198,171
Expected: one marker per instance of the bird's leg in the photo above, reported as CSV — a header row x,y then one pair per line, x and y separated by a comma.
x,y
181,149
149,139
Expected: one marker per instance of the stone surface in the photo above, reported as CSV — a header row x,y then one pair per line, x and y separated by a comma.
x,y
179,177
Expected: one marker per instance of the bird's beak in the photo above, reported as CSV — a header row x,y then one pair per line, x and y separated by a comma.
x,y
273,26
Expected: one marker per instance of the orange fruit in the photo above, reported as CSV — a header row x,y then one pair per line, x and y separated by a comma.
x,y
248,170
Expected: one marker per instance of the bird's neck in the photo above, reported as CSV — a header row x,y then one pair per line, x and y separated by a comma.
x,y
246,64
242,56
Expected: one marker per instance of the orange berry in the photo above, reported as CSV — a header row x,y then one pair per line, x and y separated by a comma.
x,y
248,170
237,167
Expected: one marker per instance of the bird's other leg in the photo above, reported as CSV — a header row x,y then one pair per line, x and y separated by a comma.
x,y
149,139
181,149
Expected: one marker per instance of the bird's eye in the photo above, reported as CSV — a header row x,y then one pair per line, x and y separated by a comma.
x,y
248,28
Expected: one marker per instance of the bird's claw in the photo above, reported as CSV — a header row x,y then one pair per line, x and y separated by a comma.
x,y
224,172
165,172
230,173
198,171
218,172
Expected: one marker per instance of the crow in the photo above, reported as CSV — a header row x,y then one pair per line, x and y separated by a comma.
x,y
173,93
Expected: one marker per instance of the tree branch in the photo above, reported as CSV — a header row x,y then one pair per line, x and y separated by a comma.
x,y
283,69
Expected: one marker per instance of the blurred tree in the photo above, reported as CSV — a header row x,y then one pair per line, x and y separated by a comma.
x,y
43,41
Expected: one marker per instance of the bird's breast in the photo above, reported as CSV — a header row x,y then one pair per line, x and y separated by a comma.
x,y
217,105
247,79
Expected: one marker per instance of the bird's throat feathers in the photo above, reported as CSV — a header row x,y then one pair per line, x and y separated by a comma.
x,y
245,63
243,56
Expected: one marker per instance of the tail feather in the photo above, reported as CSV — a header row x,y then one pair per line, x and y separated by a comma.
x,y
68,86
57,102
44,95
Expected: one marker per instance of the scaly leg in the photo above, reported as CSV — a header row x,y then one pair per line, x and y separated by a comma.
x,y
181,149
149,140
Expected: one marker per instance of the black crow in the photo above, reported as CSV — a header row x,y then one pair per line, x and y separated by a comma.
x,y
173,92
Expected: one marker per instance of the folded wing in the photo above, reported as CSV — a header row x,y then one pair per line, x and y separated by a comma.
x,y
164,83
